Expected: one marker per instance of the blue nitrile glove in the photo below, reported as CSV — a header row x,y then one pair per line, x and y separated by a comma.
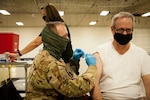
x,y
90,60
78,53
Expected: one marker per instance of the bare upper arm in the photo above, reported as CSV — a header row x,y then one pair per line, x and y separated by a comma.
x,y
146,81
99,67
96,91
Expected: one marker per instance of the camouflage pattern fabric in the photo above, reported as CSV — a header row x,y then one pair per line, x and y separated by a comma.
x,y
49,79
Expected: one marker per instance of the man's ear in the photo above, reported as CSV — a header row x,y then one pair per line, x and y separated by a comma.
x,y
112,29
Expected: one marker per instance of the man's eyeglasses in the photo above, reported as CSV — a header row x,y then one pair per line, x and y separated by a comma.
x,y
121,30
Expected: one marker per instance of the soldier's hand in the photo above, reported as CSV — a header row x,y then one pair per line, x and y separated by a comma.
x,y
78,53
90,60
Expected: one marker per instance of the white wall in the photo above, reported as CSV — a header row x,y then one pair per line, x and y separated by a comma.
x,y
86,38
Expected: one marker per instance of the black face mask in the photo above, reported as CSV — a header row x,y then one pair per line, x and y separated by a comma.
x,y
122,39
44,18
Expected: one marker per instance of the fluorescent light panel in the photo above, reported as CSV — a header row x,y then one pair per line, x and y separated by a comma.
x,y
104,13
92,23
61,13
19,23
4,12
146,14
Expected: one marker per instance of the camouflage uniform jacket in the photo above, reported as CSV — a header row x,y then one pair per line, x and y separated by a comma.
x,y
50,78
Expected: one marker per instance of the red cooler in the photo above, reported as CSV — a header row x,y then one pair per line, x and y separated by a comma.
x,y
9,41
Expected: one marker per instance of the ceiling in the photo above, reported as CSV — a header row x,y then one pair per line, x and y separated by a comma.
x,y
78,13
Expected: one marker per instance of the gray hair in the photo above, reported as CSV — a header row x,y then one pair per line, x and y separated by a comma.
x,y
122,15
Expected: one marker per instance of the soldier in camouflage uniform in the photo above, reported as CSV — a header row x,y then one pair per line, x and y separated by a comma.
x,y
49,77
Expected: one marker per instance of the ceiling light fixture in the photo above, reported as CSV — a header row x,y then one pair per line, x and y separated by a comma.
x,y
19,23
61,13
4,12
104,13
92,23
146,14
